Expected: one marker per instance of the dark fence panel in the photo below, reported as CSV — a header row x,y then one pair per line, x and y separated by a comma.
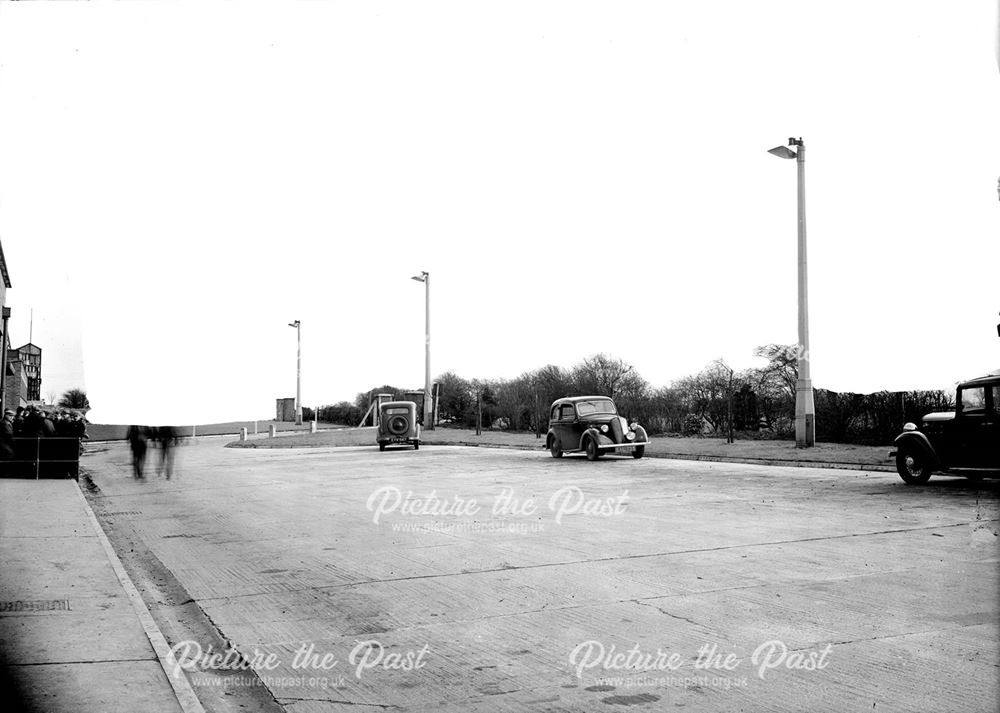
x,y
53,457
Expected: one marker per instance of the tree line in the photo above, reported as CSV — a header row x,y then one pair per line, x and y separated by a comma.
x,y
757,403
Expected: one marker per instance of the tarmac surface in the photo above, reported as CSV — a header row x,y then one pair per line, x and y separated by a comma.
x,y
469,579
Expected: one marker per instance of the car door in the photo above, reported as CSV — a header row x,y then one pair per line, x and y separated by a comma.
x,y
565,427
983,440
974,428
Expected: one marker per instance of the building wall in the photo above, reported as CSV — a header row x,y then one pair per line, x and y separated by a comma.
x,y
17,386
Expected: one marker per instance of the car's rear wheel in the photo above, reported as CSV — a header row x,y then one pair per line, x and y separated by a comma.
x,y
913,465
593,452
639,451
381,446
416,446
554,448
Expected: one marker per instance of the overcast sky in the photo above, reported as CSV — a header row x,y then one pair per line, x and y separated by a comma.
x,y
178,182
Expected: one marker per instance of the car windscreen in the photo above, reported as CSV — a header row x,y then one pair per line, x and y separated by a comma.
x,y
588,408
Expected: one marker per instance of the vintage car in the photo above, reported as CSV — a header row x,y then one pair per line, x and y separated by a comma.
x,y
965,443
591,424
397,425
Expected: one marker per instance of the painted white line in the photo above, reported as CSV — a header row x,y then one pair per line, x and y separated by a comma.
x,y
175,675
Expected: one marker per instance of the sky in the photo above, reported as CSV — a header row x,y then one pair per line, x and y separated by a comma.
x,y
180,181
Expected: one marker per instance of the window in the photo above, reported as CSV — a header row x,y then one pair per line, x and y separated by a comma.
x,y
974,399
587,408
567,413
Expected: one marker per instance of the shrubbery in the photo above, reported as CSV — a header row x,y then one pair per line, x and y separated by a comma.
x,y
763,400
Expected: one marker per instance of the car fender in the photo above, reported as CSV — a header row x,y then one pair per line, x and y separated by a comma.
x,y
589,433
918,440
640,435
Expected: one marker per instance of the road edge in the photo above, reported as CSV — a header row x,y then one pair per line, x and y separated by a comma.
x,y
181,687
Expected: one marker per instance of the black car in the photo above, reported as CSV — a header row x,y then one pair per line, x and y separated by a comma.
x,y
397,425
966,442
591,424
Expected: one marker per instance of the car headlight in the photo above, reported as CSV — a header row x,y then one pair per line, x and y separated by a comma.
x,y
634,425
909,427
630,436
604,428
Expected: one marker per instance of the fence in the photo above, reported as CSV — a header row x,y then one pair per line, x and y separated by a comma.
x,y
52,457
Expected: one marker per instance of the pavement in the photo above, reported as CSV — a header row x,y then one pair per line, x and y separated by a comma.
x,y
512,608
74,633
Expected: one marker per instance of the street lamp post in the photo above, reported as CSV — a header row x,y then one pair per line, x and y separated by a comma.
x,y
425,278
805,408
298,371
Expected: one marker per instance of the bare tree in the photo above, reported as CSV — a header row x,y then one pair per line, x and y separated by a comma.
x,y
607,376
782,370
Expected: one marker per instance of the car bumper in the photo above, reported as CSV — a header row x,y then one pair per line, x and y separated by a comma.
x,y
608,444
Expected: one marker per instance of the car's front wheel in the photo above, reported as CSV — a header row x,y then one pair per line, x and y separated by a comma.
x,y
593,452
554,448
913,465
638,451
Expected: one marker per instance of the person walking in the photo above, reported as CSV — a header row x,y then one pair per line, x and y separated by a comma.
x,y
138,437
167,437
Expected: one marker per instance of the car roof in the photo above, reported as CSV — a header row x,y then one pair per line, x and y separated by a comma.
x,y
575,399
981,381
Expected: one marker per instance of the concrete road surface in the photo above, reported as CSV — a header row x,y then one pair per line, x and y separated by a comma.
x,y
473,579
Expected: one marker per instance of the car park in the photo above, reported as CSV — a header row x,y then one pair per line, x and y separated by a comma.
x,y
397,425
965,442
591,425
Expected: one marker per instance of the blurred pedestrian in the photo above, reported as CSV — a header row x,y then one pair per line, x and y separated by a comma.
x,y
138,436
167,438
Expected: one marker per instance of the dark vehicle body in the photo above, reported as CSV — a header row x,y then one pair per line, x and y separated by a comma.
x,y
591,425
965,443
397,425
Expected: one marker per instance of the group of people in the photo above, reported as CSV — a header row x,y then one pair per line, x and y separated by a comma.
x,y
33,422
140,437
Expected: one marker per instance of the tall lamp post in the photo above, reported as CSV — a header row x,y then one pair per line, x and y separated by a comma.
x,y
425,277
298,371
805,407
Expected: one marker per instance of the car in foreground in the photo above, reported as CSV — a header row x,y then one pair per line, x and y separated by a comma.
x,y
397,425
965,442
591,425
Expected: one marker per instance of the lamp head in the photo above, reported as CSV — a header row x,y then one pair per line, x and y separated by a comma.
x,y
294,324
422,277
782,152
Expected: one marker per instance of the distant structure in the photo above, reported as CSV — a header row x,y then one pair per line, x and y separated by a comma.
x,y
284,409
4,332
30,356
